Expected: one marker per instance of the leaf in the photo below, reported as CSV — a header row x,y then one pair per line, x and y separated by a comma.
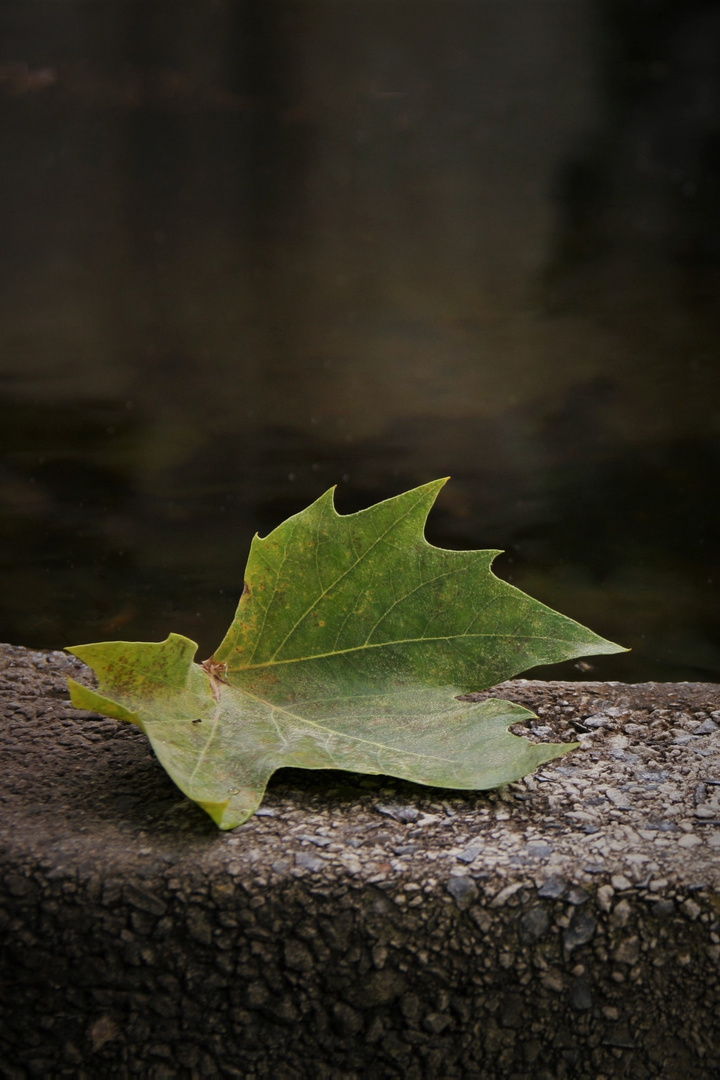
x,y
352,640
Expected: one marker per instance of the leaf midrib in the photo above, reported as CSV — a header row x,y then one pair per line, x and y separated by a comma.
x,y
385,644
340,734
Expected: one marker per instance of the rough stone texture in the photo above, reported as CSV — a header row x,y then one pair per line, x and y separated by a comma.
x,y
567,926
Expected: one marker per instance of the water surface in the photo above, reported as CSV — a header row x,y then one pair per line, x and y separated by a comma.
x,y
251,250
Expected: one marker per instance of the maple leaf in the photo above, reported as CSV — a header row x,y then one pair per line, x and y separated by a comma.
x,y
352,641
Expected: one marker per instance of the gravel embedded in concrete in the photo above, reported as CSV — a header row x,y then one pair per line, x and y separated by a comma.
x,y
362,926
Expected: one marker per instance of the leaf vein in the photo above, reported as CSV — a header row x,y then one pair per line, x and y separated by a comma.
x,y
341,735
272,662
340,577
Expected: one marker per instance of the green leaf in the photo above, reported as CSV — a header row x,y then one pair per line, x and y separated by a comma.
x,y
352,640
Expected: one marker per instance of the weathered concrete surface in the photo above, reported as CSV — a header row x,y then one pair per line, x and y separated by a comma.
x,y
565,927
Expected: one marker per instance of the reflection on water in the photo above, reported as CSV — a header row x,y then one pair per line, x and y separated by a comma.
x,y
252,249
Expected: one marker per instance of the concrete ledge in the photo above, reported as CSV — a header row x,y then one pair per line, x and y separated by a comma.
x,y
567,926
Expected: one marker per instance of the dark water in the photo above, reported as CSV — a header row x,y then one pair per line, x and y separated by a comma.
x,y
250,250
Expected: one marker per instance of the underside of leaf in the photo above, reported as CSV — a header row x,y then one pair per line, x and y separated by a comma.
x,y
351,642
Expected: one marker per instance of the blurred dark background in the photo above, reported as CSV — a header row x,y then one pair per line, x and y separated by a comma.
x,y
253,248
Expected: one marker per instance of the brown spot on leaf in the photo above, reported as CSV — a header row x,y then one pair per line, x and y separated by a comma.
x,y
216,672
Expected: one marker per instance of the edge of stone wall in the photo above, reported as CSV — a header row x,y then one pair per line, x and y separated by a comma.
x,y
564,926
